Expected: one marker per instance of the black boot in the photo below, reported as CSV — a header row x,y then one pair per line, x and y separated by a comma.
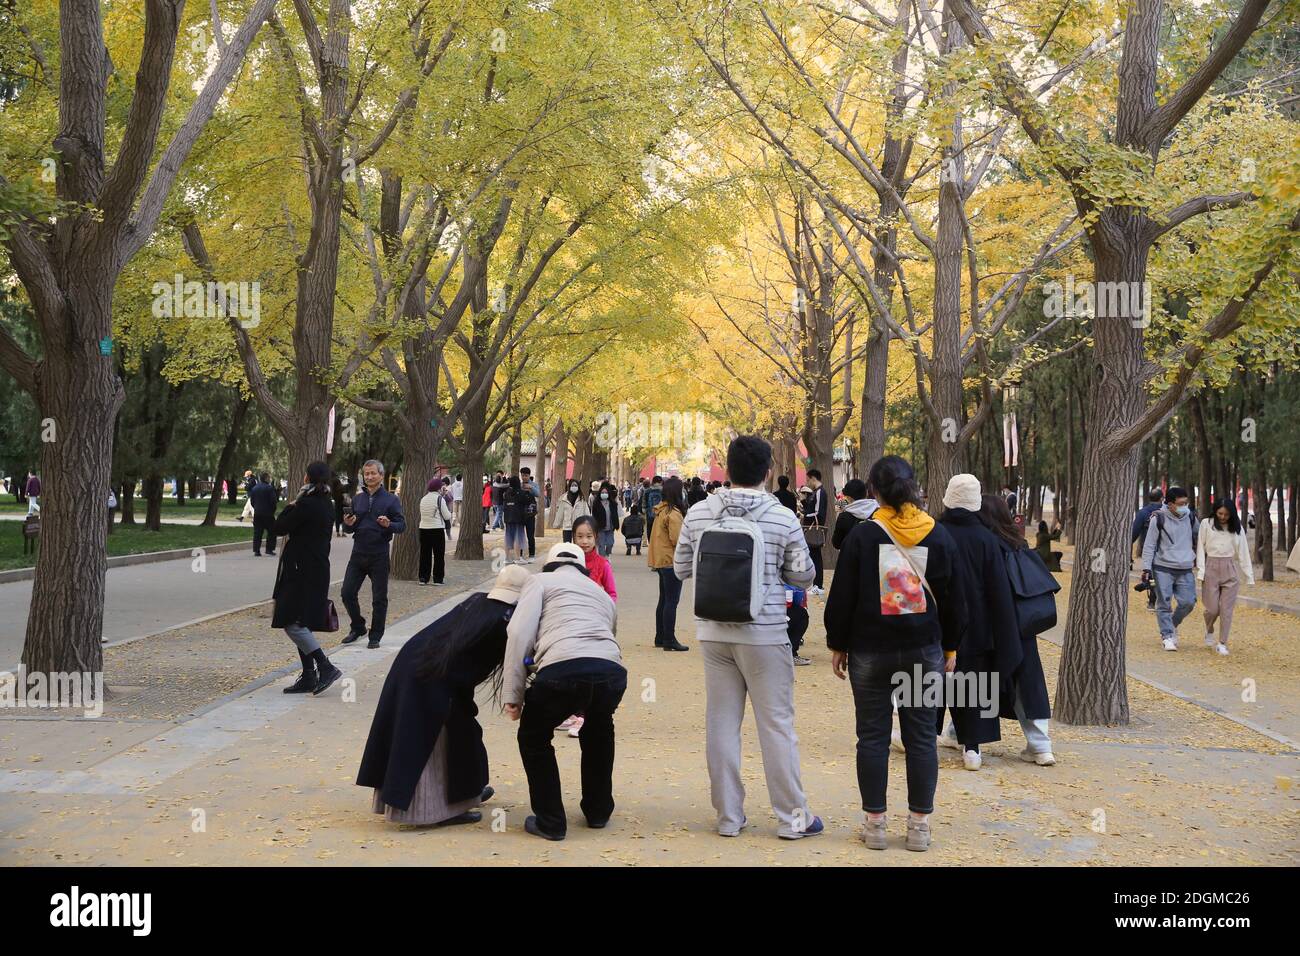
x,y
326,673
307,682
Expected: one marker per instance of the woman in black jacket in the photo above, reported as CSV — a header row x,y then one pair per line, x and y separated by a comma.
x,y
302,581
1026,698
990,651
424,756
882,619
860,507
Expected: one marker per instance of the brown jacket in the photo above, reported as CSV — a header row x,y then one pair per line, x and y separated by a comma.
x,y
663,535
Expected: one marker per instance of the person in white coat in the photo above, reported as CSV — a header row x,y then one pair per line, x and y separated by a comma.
x,y
1222,560
571,506
435,522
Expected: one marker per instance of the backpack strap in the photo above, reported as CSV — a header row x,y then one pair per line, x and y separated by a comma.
x,y
907,554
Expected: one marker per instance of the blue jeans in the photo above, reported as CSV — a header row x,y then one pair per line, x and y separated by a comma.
x,y
670,592
871,674
1174,584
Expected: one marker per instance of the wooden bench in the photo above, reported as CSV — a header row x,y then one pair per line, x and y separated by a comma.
x,y
31,533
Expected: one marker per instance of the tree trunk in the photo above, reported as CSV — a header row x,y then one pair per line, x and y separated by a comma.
x,y
469,544
153,496
561,469
223,461
539,529
127,501
419,463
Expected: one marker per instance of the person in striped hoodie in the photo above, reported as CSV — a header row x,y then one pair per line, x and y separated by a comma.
x,y
753,660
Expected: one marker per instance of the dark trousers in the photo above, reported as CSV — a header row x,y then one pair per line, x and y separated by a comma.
x,y
531,525
871,675
670,592
817,565
263,524
588,686
433,553
361,566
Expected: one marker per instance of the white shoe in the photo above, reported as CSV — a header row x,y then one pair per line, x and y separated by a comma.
x,y
1210,639
1222,650
816,590
1044,759
1170,644
948,738
971,760
577,726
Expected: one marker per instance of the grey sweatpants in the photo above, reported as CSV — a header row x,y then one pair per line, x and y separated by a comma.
x,y
766,674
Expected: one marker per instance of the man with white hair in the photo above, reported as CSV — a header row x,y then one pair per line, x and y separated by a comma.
x,y
376,516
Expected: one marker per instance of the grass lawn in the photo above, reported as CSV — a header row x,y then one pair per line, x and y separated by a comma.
x,y
193,508
124,540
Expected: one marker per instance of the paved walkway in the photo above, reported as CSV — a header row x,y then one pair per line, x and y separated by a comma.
x,y
265,779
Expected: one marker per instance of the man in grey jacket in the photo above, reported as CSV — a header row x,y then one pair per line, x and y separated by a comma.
x,y
752,659
564,626
1169,554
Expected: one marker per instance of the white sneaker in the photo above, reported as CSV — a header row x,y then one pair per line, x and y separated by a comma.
x,y
1222,650
1044,759
1170,644
948,738
971,760
816,590
577,726
1210,639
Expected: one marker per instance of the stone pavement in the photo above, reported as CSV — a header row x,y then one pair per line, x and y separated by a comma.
x,y
260,778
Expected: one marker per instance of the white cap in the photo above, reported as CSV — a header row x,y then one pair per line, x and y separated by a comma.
x,y
963,492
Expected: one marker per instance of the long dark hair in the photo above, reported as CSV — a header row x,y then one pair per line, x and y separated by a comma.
x,y
573,495
996,516
673,494
478,616
894,482
1234,522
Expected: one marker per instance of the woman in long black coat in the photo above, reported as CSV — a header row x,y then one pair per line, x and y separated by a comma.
x,y
991,647
1025,698
302,581
425,757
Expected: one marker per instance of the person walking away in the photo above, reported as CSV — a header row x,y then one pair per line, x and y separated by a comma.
x,y
564,625
424,755
457,498
1169,555
785,495
604,516
264,497
435,521
751,659
571,506
376,516
634,529
302,580
1154,503
499,486
33,490
815,511
517,503
530,484
1222,559
340,500
990,650
696,493
1043,547
665,534
796,617
487,503
650,501
884,617
112,506
861,506
1025,697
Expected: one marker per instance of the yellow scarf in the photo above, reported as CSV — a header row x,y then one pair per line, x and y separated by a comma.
x,y
909,525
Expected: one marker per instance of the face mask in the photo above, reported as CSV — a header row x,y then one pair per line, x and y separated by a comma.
x,y
1176,509
604,497
573,487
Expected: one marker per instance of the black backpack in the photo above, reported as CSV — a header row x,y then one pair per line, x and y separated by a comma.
x,y
1033,589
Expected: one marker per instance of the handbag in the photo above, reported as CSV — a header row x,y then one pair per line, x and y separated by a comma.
x,y
1034,591
814,536
908,555
331,618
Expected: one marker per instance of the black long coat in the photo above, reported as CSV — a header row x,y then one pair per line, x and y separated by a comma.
x,y
413,710
1028,678
992,642
302,581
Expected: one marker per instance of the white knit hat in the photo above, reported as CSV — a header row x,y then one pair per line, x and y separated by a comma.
x,y
963,492
570,553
